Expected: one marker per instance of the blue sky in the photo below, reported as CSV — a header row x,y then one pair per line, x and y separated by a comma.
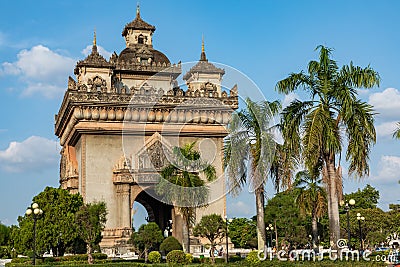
x,y
40,42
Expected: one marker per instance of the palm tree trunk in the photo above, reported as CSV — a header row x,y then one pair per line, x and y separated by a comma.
x,y
188,238
333,205
314,225
260,217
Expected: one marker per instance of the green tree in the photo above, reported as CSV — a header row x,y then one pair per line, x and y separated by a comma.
x,y
311,198
317,126
5,233
367,198
243,233
183,186
375,228
250,141
56,228
148,237
169,244
91,220
284,214
212,227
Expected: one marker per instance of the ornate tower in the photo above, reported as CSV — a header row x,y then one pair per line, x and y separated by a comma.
x,y
119,120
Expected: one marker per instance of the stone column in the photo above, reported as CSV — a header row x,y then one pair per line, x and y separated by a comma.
x,y
125,206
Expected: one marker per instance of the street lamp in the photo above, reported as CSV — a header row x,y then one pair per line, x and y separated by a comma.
x,y
168,228
270,229
226,238
35,211
359,219
347,206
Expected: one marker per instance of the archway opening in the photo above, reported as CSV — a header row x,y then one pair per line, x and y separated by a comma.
x,y
140,215
153,211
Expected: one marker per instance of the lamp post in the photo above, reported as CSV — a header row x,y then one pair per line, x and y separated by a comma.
x,y
168,228
359,219
35,211
226,238
347,206
270,229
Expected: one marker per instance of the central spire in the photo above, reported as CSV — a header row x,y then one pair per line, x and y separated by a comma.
x,y
94,38
138,10
203,53
94,47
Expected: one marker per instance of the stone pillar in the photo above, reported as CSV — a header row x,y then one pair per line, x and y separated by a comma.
x,y
125,206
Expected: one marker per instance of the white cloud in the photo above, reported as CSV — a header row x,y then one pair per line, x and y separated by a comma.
x,y
100,49
47,90
240,209
386,129
43,67
289,98
33,154
388,172
387,103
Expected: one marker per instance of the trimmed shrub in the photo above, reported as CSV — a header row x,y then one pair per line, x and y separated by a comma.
x,y
189,258
169,244
154,257
252,257
176,256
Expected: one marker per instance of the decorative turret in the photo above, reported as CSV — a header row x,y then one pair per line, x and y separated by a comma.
x,y
138,31
94,71
204,76
94,59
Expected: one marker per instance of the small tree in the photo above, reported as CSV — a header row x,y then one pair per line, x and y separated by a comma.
x,y
149,236
211,227
91,220
243,233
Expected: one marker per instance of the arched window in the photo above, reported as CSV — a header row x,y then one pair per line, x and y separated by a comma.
x,y
140,39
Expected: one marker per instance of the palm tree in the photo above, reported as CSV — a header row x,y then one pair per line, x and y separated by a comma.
x,y
319,126
183,186
250,141
311,199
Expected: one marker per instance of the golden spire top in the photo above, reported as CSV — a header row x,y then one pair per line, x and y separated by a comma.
x,y
137,10
202,43
94,38
203,53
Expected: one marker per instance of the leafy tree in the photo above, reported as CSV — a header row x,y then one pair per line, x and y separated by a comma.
x,y
212,227
4,234
375,228
170,244
56,228
311,198
183,186
314,129
91,220
250,141
56,225
243,233
367,198
148,237
284,214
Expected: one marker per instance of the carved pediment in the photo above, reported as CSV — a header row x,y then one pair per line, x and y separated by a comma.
x,y
153,158
154,155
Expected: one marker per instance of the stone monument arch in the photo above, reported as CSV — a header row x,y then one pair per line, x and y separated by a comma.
x,y
116,138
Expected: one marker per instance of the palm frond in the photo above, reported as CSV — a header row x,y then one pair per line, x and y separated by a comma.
x,y
396,134
361,136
